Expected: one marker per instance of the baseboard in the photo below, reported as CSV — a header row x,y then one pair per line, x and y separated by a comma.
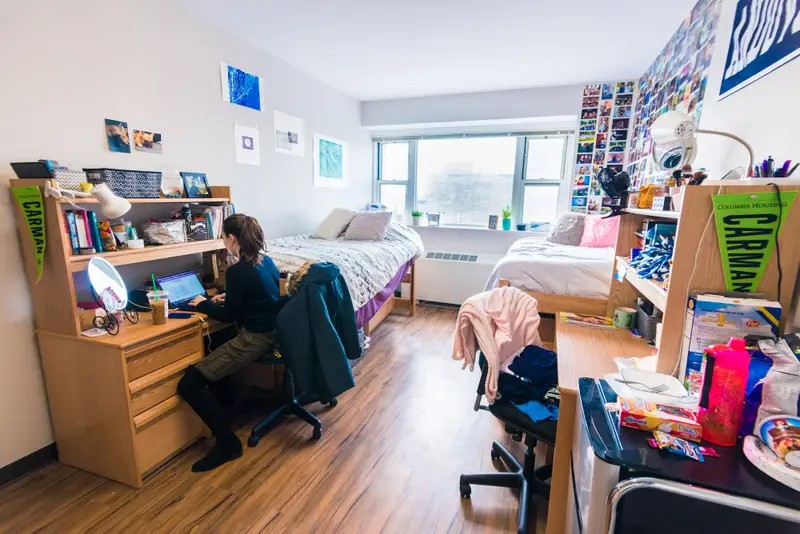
x,y
34,460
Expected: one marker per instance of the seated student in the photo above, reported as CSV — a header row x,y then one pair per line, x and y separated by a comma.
x,y
251,300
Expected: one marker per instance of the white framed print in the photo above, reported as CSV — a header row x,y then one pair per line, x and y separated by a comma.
x,y
290,134
330,162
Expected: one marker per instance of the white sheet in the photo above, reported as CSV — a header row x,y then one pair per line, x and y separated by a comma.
x,y
367,266
534,264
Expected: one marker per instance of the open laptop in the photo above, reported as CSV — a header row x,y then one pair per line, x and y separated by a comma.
x,y
182,288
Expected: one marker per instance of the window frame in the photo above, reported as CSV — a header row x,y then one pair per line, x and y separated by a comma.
x,y
520,168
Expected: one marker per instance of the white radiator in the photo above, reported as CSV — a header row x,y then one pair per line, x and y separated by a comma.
x,y
452,277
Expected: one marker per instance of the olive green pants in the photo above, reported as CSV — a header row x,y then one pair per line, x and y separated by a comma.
x,y
236,354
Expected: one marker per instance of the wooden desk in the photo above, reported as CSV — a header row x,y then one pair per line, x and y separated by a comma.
x,y
583,351
113,399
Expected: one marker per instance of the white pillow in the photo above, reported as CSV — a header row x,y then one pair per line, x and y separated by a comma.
x,y
370,226
334,224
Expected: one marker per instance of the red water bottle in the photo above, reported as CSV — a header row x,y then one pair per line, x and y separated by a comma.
x,y
725,370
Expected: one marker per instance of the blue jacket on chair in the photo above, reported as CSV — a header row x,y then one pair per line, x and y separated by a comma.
x,y
318,333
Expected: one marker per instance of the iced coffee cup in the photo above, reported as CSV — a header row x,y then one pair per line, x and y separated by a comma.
x,y
159,305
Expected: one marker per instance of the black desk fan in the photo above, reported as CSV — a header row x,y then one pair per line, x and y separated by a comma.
x,y
615,185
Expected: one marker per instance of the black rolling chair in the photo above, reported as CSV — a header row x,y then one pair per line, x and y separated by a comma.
x,y
291,404
529,480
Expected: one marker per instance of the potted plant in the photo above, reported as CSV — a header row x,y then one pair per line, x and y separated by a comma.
x,y
416,218
507,218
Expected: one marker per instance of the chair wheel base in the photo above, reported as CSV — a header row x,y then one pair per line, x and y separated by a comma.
x,y
252,441
317,433
333,402
465,490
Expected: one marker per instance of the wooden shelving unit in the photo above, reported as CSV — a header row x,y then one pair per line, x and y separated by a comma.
x,y
656,214
113,400
211,200
696,263
652,290
152,253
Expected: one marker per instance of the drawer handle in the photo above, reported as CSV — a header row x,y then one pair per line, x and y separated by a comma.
x,y
156,412
162,374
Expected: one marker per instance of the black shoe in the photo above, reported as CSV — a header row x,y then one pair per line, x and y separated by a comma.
x,y
222,452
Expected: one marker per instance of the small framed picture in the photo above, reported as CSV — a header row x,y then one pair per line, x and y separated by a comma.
x,y
433,219
196,185
493,222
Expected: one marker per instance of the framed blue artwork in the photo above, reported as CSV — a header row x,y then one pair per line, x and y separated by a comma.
x,y
765,36
330,162
240,87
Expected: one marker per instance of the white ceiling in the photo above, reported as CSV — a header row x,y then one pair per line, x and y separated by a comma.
x,y
377,49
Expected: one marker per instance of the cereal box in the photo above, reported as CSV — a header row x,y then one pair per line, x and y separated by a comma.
x,y
714,319
649,416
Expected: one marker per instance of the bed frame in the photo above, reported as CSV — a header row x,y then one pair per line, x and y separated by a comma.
x,y
409,305
550,304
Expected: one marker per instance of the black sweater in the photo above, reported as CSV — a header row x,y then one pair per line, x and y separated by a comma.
x,y
251,297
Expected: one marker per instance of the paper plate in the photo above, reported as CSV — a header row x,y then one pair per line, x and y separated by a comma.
x,y
762,457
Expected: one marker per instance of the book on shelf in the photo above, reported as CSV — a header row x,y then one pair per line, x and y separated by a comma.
x,y
72,230
91,218
84,233
594,321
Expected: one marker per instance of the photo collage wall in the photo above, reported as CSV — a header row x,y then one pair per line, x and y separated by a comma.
x,y
676,80
602,141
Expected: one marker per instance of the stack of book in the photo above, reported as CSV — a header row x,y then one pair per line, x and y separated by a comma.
x,y
84,236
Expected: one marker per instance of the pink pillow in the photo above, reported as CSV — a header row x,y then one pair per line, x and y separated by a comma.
x,y
599,232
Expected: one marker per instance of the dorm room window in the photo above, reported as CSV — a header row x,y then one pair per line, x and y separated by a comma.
x,y
467,178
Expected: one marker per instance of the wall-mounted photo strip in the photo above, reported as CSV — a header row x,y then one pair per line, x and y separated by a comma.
x,y
588,125
592,90
607,92
605,108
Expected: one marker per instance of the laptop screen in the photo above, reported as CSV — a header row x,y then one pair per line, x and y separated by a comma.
x,y
182,287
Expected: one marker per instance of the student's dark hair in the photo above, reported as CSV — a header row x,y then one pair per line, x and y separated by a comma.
x,y
249,235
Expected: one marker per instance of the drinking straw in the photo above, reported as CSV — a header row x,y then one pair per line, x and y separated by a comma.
x,y
155,288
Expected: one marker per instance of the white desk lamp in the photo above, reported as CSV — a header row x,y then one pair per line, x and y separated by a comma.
x,y
112,206
674,136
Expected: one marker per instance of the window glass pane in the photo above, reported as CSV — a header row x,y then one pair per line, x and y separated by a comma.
x,y
393,196
544,159
465,179
541,203
394,161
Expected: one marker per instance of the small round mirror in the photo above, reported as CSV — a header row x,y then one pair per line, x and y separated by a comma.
x,y
107,284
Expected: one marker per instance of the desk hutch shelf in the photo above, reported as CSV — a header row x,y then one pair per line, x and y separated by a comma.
x,y
696,263
113,399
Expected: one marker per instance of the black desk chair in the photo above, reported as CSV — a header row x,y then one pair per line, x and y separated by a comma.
x,y
291,404
524,477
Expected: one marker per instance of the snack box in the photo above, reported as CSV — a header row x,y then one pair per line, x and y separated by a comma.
x,y
714,319
649,416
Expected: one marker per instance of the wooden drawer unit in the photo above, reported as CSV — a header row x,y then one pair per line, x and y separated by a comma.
x,y
163,431
160,352
159,385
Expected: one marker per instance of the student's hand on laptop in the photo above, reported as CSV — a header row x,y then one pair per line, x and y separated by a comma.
x,y
216,299
197,300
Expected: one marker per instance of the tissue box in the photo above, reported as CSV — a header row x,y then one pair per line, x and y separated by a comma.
x,y
649,416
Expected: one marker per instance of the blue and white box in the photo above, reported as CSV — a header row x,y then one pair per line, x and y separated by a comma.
x,y
713,320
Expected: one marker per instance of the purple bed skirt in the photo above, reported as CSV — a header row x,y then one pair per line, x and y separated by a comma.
x,y
368,310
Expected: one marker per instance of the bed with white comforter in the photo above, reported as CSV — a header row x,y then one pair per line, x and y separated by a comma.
x,y
534,264
367,266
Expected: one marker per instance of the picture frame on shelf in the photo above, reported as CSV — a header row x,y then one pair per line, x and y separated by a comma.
x,y
195,184
433,219
493,222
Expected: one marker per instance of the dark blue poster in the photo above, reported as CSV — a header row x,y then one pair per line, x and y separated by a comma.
x,y
766,35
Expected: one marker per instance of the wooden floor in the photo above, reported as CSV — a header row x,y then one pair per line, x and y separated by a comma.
x,y
389,461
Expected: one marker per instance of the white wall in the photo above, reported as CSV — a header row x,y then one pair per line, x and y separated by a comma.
x,y
68,65
764,113
487,106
